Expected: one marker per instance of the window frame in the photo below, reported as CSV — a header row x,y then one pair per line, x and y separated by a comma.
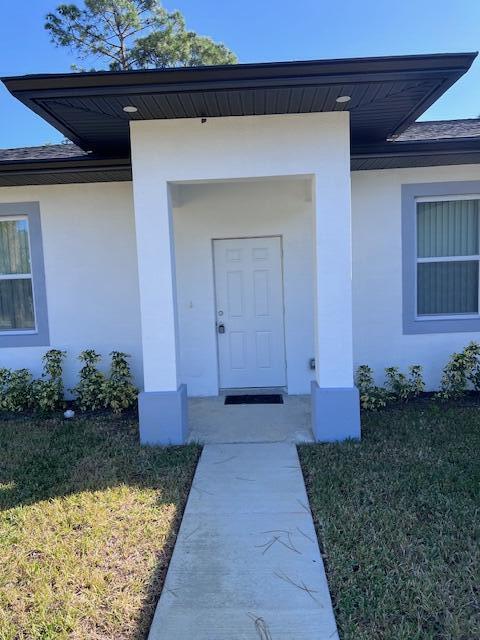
x,y
21,276
467,258
412,194
39,336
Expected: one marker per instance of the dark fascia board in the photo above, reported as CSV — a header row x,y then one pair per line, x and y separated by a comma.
x,y
312,72
268,70
59,165
421,148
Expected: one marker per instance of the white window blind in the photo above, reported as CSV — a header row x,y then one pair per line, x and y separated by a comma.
x,y
448,257
17,312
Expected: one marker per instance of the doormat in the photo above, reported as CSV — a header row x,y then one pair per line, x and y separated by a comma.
x,y
269,398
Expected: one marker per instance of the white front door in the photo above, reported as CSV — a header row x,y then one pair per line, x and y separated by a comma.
x,y
249,312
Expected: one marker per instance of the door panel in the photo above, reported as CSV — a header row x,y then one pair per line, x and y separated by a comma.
x,y
249,304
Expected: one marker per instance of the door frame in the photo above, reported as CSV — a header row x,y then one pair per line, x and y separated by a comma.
x,y
282,282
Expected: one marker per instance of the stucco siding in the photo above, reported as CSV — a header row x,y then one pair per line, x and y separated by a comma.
x,y
170,153
235,210
90,273
377,274
92,283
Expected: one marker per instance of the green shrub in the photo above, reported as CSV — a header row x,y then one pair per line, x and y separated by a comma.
x,y
472,358
417,383
461,370
402,388
119,390
18,392
372,398
90,391
47,392
15,390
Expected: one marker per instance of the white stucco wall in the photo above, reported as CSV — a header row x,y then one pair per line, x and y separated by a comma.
x,y
170,152
90,272
91,263
235,210
377,274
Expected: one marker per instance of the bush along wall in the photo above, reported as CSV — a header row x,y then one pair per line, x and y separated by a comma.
x,y
97,391
460,375
399,387
15,390
19,392
47,393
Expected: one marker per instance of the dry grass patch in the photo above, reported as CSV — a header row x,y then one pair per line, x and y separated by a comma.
x,y
87,525
398,517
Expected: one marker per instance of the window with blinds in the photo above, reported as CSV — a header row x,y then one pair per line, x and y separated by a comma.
x,y
17,312
448,257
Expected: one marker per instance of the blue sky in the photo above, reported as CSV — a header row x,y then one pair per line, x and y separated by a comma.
x,y
263,30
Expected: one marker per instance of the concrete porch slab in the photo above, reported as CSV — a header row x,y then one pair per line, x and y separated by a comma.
x,y
211,421
246,564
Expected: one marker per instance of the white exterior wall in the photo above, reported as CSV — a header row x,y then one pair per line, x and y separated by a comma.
x,y
90,271
242,209
91,263
174,151
377,274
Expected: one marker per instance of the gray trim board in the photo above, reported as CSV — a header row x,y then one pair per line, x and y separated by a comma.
x,y
335,413
41,337
411,325
163,416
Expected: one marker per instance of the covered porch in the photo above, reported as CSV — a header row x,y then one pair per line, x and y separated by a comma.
x,y
211,421
244,254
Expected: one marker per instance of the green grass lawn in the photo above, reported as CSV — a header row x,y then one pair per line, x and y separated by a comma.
x,y
398,516
87,525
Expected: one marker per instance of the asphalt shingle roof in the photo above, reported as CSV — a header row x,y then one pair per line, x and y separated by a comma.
x,y
441,130
46,152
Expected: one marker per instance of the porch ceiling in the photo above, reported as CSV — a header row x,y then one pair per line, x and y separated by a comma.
x,y
387,94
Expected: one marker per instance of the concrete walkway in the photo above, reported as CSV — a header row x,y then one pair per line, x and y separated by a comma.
x,y
246,564
212,421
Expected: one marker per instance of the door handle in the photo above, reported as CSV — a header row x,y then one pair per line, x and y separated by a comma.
x,y
220,327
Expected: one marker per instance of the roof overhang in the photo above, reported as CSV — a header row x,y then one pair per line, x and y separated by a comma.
x,y
392,155
65,171
387,94
397,155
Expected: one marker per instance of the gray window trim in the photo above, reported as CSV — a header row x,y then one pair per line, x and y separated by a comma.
x,y
410,192
41,336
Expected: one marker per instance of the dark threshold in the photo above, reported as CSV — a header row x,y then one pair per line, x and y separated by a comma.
x,y
269,398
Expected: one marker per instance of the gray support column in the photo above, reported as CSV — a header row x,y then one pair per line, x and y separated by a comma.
x,y
335,400
163,416
163,402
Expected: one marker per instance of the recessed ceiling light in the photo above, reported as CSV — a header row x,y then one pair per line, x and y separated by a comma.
x,y
343,99
130,109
